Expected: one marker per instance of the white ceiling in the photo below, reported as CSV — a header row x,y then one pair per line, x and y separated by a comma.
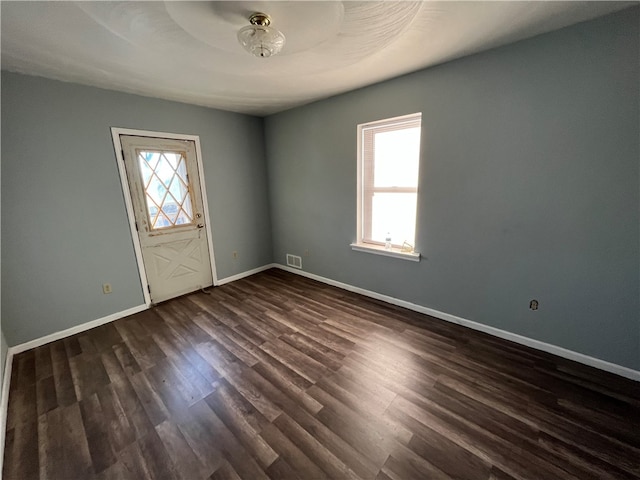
x,y
188,51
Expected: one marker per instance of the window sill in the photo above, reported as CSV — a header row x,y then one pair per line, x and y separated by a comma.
x,y
379,250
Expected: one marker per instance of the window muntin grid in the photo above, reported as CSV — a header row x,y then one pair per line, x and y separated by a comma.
x,y
166,188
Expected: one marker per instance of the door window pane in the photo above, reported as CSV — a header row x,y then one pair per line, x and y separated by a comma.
x,y
166,188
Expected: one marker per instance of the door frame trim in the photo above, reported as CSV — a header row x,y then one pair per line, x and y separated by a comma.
x,y
117,145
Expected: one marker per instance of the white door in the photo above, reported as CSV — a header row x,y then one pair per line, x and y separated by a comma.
x,y
167,202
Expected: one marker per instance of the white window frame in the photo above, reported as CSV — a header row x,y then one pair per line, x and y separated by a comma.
x,y
367,245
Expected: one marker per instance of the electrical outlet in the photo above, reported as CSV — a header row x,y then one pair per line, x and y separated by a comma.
x,y
234,255
106,288
306,253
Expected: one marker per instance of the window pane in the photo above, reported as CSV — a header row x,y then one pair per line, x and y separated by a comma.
x,y
186,215
178,189
166,188
397,157
155,191
394,213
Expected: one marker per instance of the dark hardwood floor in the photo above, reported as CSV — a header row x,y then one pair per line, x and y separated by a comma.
x,y
277,376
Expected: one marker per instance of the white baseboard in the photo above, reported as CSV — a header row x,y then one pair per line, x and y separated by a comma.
x,y
248,273
496,332
38,342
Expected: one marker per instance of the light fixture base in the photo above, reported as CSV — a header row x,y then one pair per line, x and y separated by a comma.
x,y
261,19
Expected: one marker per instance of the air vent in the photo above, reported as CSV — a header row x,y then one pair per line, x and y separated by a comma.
x,y
294,261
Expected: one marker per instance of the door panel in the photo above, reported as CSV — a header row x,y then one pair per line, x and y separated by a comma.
x,y
167,202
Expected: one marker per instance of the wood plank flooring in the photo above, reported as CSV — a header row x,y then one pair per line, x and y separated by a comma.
x,y
279,377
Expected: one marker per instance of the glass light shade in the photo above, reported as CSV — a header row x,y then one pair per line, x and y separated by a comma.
x,y
261,41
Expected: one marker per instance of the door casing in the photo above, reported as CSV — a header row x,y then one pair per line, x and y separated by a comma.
x,y
115,134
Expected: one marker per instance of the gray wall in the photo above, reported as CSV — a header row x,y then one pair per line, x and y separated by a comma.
x,y
64,225
529,188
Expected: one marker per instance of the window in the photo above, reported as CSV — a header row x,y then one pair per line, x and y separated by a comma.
x,y
388,166
166,188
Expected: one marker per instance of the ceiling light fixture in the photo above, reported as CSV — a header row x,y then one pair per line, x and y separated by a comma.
x,y
259,39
